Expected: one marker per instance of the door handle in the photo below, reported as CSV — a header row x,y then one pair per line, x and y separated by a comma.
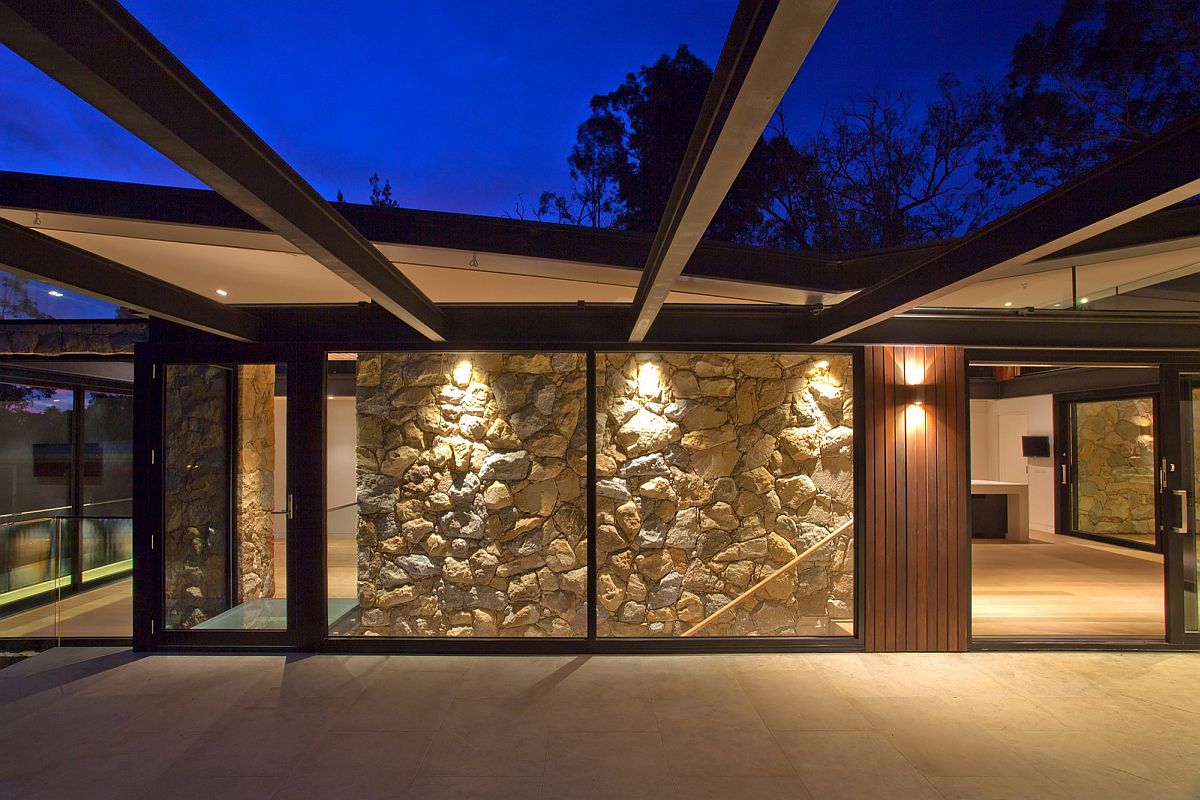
x,y
1064,475
1181,496
291,507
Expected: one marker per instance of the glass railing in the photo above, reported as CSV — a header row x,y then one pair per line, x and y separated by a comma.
x,y
66,576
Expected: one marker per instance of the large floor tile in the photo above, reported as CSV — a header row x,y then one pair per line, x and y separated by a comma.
x,y
853,765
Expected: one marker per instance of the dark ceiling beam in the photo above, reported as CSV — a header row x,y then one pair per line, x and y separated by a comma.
x,y
35,255
100,52
767,42
1113,335
1153,175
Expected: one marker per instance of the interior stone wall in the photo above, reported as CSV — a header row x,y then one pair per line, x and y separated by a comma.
x,y
196,494
471,470
255,483
1114,455
712,472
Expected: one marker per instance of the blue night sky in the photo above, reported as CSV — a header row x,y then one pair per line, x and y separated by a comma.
x,y
464,108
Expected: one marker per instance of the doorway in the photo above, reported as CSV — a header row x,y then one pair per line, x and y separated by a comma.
x,y
1073,553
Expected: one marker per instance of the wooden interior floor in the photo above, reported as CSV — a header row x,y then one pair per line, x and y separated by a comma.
x,y
106,610
1063,586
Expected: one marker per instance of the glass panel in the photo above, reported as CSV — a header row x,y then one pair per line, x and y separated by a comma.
x,y
107,471
469,483
225,548
1191,555
1114,468
714,472
35,485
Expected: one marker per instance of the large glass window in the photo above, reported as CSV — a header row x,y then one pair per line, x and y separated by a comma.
x,y
1113,491
715,474
469,475
224,480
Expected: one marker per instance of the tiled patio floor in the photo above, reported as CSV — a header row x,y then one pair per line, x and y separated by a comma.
x,y
106,724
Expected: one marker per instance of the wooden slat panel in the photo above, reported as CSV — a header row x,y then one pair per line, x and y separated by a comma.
x,y
916,492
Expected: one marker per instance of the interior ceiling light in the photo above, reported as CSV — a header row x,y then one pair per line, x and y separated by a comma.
x,y
1008,304
222,292
1083,300
54,293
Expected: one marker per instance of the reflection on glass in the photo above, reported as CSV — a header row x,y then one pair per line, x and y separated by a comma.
x,y
1113,492
107,470
467,471
224,546
714,471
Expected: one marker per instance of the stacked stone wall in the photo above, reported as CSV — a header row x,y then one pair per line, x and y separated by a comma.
x,y
196,494
255,484
1114,454
471,474
712,472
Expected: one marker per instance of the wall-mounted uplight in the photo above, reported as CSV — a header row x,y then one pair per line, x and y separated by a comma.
x,y
222,292
649,381
462,374
54,293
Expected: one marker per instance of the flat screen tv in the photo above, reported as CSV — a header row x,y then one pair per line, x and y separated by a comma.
x,y
1035,446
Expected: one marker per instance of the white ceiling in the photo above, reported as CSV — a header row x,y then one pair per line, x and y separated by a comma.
x,y
262,267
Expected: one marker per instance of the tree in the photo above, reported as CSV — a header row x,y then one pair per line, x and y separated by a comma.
x,y
886,177
1107,74
16,300
627,154
381,195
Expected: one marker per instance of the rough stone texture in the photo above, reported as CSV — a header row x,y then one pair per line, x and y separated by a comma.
x,y
1115,458
196,496
101,337
471,473
720,469
255,483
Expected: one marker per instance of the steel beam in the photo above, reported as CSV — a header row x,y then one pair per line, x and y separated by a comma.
x,y
767,42
35,255
1158,173
100,52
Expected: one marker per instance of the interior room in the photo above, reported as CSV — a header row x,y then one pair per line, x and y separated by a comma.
x,y
1063,502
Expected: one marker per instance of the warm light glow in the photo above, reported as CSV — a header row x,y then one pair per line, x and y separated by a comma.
x,y
1083,300
914,417
649,382
222,292
328,397
914,372
462,373
1008,304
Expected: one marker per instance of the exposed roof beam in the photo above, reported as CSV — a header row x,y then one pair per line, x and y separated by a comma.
x,y
1158,173
1070,331
767,42
100,52
35,255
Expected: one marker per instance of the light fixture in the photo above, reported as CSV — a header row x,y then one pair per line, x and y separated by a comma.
x,y
54,293
1082,300
222,292
1008,304
328,397
649,383
462,374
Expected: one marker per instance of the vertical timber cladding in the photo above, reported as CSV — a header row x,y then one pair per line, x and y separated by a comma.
x,y
917,535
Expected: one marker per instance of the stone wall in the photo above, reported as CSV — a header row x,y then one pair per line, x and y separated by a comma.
x,y
196,495
255,484
471,474
713,471
1114,453
101,337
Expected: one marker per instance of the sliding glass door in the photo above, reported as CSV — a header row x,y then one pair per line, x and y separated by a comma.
x,y
1181,480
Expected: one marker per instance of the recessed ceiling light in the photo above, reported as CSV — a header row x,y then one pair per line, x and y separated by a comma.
x,y
1009,303
1083,299
222,292
328,397
54,293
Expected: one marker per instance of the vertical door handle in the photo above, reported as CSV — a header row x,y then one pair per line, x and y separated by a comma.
x,y
1181,496
1064,475
291,507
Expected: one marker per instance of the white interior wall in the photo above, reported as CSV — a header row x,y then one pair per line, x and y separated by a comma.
x,y
985,447
341,441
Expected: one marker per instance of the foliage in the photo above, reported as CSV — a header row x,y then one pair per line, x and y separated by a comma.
x,y
381,193
16,299
1107,74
